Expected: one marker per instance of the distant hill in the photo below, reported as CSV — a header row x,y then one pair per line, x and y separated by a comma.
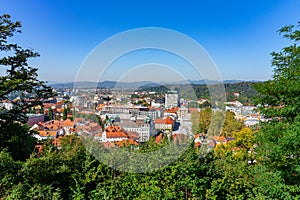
x,y
140,84
192,91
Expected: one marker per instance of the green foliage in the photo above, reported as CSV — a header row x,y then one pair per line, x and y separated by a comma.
x,y
231,124
65,113
50,113
196,91
215,123
20,80
17,139
72,173
204,120
9,169
92,117
279,149
280,96
278,141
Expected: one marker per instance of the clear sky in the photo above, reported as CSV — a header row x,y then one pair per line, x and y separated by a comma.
x,y
238,35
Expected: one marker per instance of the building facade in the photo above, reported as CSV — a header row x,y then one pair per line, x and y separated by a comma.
x,y
171,99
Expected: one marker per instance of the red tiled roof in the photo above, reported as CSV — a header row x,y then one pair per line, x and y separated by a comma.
x,y
68,122
113,129
116,135
47,133
167,120
218,138
172,110
123,143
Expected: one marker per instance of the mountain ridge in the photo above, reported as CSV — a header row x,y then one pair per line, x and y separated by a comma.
x,y
136,84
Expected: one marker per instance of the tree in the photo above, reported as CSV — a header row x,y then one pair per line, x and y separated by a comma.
x,y
204,120
278,140
280,96
20,80
231,124
50,113
65,113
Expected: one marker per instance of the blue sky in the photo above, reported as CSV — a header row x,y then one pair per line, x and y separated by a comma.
x,y
238,35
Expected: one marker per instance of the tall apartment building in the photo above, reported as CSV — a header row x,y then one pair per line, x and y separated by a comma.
x,y
171,99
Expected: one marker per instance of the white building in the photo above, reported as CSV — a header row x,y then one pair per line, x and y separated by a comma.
x,y
114,134
144,128
171,99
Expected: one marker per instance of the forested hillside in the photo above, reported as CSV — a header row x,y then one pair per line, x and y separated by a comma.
x,y
245,89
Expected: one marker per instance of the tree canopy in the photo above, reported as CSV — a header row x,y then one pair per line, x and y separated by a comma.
x,y
19,87
280,96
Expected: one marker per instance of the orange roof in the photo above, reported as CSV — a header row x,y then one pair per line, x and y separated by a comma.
x,y
222,139
116,135
98,135
197,144
113,129
56,142
47,133
167,120
123,143
68,122
218,138
59,110
48,105
159,138
172,110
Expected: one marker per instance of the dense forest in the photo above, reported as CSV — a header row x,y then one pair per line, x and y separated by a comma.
x,y
200,91
261,163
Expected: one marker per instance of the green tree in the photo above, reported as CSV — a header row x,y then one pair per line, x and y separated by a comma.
x,y
65,113
19,80
280,96
231,124
204,120
278,140
50,113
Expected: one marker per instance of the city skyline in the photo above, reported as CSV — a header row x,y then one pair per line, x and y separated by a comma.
x,y
239,36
